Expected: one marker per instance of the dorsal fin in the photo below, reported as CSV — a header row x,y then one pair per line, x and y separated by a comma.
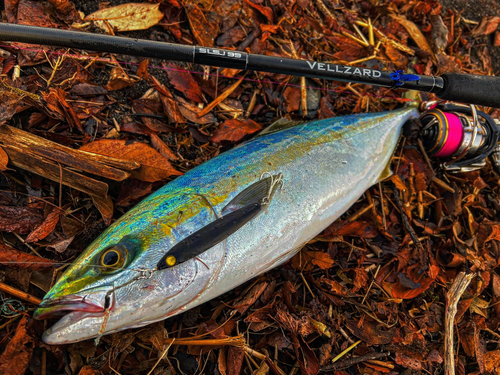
x,y
281,124
254,193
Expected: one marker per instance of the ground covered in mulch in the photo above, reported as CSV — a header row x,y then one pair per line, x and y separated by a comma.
x,y
368,296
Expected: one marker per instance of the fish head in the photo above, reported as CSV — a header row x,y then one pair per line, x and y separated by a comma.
x,y
115,283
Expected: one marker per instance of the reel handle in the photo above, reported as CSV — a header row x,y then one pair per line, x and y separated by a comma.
x,y
471,88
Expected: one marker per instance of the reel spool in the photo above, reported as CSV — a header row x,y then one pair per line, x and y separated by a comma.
x,y
461,135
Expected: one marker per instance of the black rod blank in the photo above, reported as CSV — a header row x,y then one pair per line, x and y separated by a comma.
x,y
468,88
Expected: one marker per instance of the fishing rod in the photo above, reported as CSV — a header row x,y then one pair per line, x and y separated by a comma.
x,y
465,88
460,135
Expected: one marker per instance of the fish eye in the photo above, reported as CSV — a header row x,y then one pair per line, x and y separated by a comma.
x,y
113,258
110,258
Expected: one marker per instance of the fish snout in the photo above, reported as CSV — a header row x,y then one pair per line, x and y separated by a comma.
x,y
95,300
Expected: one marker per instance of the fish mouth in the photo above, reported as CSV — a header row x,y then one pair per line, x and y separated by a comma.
x,y
60,306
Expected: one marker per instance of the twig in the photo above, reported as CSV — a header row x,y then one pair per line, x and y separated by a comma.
x,y
458,287
353,361
405,220
228,341
344,352
163,355
20,294
307,285
221,97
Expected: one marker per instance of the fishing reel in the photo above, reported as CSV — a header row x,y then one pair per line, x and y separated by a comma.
x,y
461,136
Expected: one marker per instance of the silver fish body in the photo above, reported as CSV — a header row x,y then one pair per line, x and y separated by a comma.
x,y
325,166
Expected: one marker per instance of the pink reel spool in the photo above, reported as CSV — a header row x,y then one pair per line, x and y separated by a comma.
x,y
455,135
444,133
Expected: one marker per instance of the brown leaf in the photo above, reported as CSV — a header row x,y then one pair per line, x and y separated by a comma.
x,y
492,361
415,33
127,17
142,69
231,36
351,228
154,166
131,191
408,362
44,229
400,61
60,246
292,99
56,102
266,11
17,355
86,89
4,160
372,333
360,279
486,26
105,207
19,259
234,130
88,370
8,104
66,10
308,362
349,50
162,148
191,112
420,182
335,287
203,30
398,182
398,290
184,82
118,79
234,360
19,219
152,107
320,259
243,304
496,42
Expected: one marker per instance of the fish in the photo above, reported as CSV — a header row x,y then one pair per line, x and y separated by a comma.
x,y
234,217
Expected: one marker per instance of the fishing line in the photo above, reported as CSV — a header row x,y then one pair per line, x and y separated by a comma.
x,y
105,60
50,263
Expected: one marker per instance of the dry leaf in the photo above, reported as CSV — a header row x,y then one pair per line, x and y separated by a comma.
x,y
44,229
105,207
88,370
118,79
4,160
266,11
184,82
17,355
234,130
19,219
142,69
492,362
154,166
416,34
162,148
320,259
19,259
127,17
203,30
